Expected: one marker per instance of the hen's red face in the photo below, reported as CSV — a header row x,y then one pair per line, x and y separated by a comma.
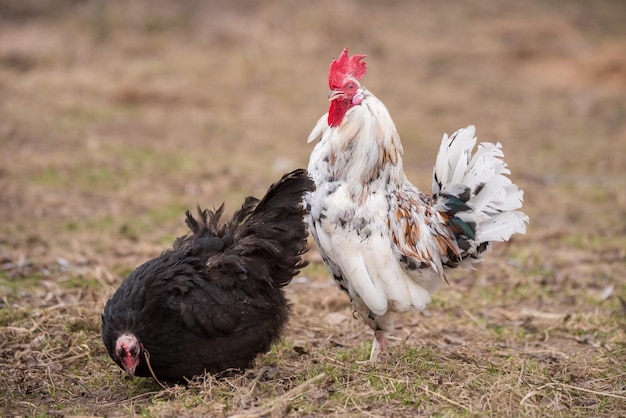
x,y
128,350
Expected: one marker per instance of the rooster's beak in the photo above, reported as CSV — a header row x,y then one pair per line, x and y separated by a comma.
x,y
335,94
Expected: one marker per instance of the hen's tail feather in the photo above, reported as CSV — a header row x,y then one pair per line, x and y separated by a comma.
x,y
276,229
475,192
270,230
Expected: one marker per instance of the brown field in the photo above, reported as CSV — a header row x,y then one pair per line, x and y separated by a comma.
x,y
115,117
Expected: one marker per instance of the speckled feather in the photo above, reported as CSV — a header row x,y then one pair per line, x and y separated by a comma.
x,y
386,243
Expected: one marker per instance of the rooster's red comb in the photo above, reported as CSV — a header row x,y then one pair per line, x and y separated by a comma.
x,y
344,67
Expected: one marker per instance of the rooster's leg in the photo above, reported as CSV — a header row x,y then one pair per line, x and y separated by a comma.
x,y
379,345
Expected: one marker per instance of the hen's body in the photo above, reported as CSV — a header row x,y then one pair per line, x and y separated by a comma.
x,y
386,243
215,300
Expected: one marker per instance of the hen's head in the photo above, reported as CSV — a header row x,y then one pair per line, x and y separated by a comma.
x,y
345,89
128,350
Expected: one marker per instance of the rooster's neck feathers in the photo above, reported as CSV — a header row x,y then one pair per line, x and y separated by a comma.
x,y
364,150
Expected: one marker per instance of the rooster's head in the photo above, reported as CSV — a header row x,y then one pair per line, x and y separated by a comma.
x,y
345,89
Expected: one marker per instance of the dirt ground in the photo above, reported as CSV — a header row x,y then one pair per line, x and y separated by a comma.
x,y
115,117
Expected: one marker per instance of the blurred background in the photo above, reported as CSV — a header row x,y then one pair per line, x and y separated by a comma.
x,y
117,116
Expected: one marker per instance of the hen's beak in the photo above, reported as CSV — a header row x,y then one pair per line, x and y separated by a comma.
x,y
335,94
129,367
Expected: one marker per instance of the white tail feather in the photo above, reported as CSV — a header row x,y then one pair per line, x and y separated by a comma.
x,y
501,227
453,157
492,194
493,197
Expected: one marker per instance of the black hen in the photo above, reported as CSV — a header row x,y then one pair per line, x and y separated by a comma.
x,y
215,300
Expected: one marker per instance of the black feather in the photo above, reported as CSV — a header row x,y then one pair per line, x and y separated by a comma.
x,y
467,229
215,300
455,204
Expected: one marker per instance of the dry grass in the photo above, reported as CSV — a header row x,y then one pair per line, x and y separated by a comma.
x,y
116,117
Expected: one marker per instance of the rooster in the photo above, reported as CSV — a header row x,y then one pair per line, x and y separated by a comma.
x,y
215,300
387,244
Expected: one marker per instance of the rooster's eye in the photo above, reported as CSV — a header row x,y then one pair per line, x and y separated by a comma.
x,y
350,86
